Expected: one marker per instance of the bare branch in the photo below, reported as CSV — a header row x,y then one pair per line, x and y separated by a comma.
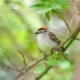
x,y
10,61
72,18
8,67
66,24
44,72
77,39
24,61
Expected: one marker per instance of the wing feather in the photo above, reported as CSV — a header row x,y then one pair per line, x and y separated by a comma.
x,y
54,38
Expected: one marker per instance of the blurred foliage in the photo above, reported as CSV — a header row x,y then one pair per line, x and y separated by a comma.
x,y
41,68
17,27
18,23
49,7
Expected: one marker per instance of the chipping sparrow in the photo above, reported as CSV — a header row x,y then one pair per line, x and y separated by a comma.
x,y
47,40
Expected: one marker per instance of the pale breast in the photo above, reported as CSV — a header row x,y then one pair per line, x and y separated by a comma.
x,y
45,43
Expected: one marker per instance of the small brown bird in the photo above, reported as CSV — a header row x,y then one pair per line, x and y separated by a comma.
x,y
47,40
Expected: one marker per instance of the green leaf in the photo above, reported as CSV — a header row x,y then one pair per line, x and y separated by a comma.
x,y
65,7
52,62
55,6
38,5
62,1
59,13
40,69
59,77
44,10
65,65
42,0
47,15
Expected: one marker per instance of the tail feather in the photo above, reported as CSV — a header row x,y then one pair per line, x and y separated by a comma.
x,y
63,49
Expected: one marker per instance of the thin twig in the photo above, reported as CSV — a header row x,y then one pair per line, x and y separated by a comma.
x,y
72,18
8,67
10,61
77,39
64,21
73,38
70,36
59,47
24,61
66,24
44,72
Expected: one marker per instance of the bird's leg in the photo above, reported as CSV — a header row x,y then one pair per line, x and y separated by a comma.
x,y
58,53
52,50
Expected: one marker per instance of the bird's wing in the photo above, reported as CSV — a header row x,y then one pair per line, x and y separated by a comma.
x,y
54,38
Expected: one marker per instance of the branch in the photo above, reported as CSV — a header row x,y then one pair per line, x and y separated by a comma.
x,y
64,51
58,48
72,18
10,61
73,38
8,67
44,72
77,39
70,36
24,61
66,24
15,67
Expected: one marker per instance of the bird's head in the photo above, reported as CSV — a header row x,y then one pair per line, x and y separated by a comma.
x,y
41,30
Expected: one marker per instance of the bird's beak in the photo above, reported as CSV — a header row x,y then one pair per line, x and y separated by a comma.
x,y
36,32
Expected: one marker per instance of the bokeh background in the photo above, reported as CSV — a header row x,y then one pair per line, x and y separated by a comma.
x,y
18,23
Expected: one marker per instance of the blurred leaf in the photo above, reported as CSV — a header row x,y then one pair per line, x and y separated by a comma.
x,y
59,77
65,65
1,2
68,75
62,1
43,0
40,69
47,77
65,7
59,13
55,6
38,5
47,15
52,62
44,10
45,7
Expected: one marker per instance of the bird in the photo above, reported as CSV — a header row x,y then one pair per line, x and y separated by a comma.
x,y
47,40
